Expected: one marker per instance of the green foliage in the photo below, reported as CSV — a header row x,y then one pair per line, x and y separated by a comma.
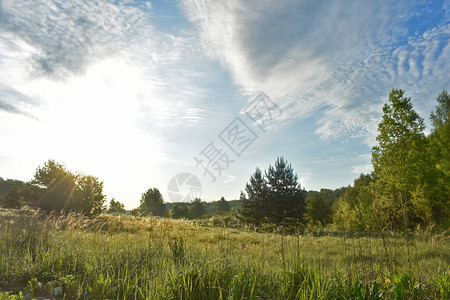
x,y
434,193
398,159
8,184
223,205
410,185
57,187
441,115
275,197
211,207
152,202
319,206
54,188
285,197
9,296
12,198
116,207
355,207
253,209
179,211
125,257
196,209
366,291
31,194
89,195
177,246
35,286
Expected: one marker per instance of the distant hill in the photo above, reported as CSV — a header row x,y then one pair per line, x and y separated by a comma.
x,y
7,184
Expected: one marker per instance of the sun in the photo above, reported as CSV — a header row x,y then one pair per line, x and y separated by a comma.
x,y
92,122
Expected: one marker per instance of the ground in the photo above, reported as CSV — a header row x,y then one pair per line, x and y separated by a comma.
x,y
125,257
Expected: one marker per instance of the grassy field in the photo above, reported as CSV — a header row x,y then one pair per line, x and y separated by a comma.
x,y
126,257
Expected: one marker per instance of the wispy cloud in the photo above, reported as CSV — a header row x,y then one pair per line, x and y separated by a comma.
x,y
68,35
341,57
49,41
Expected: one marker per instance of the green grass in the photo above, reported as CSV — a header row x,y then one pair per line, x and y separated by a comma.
x,y
126,257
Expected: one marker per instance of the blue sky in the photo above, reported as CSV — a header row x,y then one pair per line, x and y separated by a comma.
x,y
132,91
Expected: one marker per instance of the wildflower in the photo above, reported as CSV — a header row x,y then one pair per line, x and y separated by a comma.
x,y
387,281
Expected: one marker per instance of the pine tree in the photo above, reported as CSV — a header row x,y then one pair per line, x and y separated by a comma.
x,y
253,209
285,197
223,205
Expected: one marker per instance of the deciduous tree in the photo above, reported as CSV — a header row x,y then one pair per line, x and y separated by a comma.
x,y
398,159
116,207
152,202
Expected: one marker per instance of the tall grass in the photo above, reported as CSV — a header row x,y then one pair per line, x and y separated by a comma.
x,y
124,257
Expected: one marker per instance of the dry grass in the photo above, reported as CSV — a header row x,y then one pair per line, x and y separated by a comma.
x,y
125,257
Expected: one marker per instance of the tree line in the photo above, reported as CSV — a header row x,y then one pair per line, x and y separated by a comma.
x,y
54,188
152,203
409,185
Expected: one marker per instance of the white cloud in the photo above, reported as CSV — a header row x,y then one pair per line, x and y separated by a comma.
x,y
68,35
341,56
229,179
92,84
304,178
362,169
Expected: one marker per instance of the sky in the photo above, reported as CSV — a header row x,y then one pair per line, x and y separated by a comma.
x,y
191,96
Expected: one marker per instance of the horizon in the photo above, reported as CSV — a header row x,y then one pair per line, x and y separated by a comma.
x,y
138,92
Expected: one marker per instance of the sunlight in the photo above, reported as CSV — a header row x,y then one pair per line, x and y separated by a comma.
x,y
92,122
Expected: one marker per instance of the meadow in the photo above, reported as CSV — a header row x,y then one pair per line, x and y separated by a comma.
x,y
126,257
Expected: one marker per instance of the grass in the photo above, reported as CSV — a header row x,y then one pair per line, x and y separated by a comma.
x,y
125,257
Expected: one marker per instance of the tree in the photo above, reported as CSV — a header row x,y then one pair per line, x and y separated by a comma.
x,y
196,209
31,194
179,211
116,207
54,188
285,197
223,205
441,115
8,184
440,137
435,191
89,197
319,207
398,159
254,209
58,187
355,206
12,198
152,202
